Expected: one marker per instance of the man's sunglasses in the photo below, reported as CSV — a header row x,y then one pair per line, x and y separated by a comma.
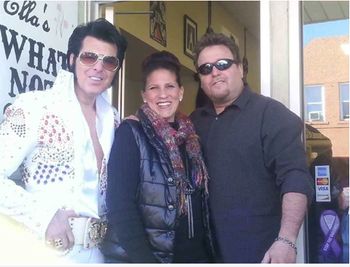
x,y
221,64
89,59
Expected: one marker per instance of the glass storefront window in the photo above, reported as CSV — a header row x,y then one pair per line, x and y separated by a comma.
x,y
326,115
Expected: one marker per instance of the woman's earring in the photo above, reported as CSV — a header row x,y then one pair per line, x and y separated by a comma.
x,y
144,101
180,99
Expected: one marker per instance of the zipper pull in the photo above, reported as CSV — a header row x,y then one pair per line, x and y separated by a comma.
x,y
189,215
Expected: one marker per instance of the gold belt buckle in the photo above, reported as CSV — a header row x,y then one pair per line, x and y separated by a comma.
x,y
96,232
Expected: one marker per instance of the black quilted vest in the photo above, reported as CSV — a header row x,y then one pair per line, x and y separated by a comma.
x,y
157,203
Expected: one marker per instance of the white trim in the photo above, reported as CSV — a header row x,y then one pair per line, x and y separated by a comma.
x,y
323,103
91,9
109,15
121,90
265,47
341,101
295,54
296,87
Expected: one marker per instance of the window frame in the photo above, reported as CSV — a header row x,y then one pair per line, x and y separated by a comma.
x,y
341,101
321,103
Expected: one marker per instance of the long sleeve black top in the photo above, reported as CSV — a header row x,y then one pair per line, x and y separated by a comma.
x,y
123,212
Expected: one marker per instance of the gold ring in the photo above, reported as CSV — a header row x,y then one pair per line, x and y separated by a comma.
x,y
58,243
49,243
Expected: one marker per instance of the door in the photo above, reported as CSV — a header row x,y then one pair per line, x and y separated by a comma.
x,y
326,115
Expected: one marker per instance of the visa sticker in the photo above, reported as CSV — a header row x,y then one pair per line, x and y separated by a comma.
x,y
322,183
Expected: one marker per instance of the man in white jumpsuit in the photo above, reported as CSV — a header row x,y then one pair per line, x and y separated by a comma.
x,y
62,138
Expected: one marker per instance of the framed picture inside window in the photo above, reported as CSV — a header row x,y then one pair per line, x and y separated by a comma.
x,y
158,22
190,36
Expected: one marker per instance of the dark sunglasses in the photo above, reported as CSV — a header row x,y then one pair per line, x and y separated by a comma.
x,y
90,58
221,64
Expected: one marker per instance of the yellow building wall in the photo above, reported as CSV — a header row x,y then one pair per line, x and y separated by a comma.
x,y
138,25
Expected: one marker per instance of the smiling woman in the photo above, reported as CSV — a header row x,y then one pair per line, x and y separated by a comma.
x,y
162,93
157,180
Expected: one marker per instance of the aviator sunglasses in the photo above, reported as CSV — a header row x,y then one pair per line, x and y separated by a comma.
x,y
90,58
221,64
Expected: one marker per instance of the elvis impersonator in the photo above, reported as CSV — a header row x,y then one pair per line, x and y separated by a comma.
x,y
61,138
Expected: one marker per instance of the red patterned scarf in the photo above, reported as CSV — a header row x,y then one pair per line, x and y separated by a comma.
x,y
172,139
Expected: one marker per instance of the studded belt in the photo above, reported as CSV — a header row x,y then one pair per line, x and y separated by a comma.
x,y
88,232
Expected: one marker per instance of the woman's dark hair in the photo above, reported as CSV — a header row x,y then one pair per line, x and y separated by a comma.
x,y
161,60
100,29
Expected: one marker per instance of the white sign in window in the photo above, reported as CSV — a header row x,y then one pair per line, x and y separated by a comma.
x,y
33,45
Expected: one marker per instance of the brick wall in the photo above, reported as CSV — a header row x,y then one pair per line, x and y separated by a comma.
x,y
327,64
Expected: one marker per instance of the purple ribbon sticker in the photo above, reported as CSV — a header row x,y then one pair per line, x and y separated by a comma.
x,y
329,222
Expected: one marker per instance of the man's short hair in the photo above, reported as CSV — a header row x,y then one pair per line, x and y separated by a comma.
x,y
212,38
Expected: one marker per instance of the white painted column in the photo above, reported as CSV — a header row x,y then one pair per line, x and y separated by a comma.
x,y
296,88
281,64
295,58
109,15
265,43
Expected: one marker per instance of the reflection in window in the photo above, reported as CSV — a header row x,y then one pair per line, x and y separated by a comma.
x,y
314,103
344,101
